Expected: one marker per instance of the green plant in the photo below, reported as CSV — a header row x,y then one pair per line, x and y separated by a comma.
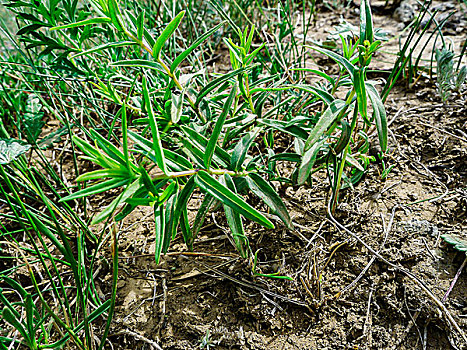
x,y
133,99
447,79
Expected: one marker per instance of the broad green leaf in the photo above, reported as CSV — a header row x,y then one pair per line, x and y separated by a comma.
x,y
308,160
241,149
266,192
235,220
86,22
198,42
11,149
317,72
157,144
328,117
166,34
104,47
379,113
140,64
210,185
218,128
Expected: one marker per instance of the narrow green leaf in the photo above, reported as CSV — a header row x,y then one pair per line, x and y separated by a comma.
x,y
104,47
203,210
266,192
379,113
97,188
338,58
324,122
241,149
11,319
360,91
207,183
354,162
366,23
157,144
198,42
308,160
166,34
218,128
129,191
185,228
140,64
235,220
181,202
159,225
217,82
86,22
140,25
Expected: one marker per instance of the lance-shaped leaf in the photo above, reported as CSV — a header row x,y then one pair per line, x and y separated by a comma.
x,y
266,192
186,229
379,113
97,188
129,191
360,91
203,210
104,47
86,22
140,64
157,144
338,58
328,117
159,225
166,34
241,149
235,220
218,127
210,185
217,82
308,160
366,23
198,42
177,206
